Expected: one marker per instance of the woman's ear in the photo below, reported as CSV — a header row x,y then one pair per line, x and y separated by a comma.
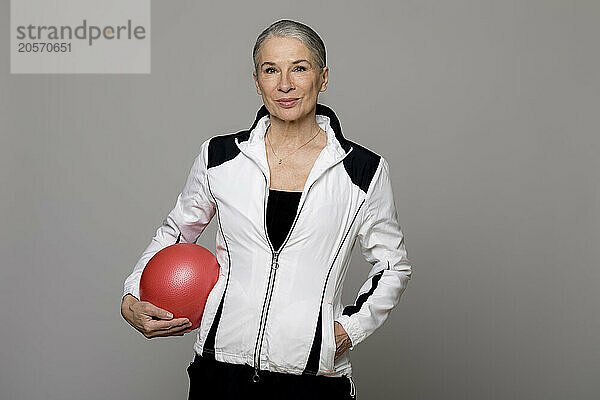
x,y
256,83
325,77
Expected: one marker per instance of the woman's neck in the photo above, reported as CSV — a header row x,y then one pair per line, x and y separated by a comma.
x,y
293,133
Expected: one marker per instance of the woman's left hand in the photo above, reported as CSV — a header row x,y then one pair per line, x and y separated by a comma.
x,y
342,340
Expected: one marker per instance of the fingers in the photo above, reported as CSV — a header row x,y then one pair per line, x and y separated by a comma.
x,y
159,329
182,331
158,325
154,311
178,330
341,348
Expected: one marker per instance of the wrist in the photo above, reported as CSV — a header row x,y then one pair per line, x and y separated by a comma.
x,y
127,301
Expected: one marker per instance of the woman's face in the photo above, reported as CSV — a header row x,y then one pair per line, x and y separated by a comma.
x,y
287,70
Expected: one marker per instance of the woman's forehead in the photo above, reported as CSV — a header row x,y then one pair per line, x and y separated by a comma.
x,y
279,50
285,53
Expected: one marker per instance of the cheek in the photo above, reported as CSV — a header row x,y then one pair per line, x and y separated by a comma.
x,y
267,81
309,89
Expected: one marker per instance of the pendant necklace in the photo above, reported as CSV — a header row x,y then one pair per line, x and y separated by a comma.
x,y
281,159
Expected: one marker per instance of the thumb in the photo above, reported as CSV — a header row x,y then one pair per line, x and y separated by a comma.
x,y
158,312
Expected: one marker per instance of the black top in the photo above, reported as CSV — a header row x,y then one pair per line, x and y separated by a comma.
x,y
281,211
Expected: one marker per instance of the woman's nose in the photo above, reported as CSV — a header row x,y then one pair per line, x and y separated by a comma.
x,y
285,82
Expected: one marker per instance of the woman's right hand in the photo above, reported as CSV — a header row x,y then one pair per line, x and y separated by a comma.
x,y
151,320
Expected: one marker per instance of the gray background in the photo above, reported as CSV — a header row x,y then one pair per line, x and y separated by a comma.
x,y
487,112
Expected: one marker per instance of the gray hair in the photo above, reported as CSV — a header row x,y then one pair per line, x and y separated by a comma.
x,y
293,29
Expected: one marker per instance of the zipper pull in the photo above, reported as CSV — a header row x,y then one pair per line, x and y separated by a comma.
x,y
255,378
274,262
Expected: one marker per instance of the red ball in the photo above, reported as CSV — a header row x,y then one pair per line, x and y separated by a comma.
x,y
179,279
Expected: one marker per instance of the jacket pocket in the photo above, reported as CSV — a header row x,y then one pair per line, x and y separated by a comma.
x,y
330,340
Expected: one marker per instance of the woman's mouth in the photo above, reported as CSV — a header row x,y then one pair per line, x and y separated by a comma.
x,y
287,102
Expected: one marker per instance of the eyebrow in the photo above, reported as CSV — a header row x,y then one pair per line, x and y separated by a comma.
x,y
295,62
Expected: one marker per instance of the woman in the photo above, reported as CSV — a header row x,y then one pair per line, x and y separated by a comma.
x,y
291,195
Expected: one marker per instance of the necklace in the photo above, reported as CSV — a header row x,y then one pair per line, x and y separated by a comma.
x,y
281,159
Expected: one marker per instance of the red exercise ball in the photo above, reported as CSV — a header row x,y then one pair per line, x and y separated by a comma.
x,y
179,279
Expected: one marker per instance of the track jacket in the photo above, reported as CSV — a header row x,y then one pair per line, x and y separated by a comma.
x,y
275,310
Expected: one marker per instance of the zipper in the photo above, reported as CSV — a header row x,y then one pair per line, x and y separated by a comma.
x,y
274,256
271,282
274,260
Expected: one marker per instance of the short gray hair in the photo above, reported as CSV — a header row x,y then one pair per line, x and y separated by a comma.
x,y
293,29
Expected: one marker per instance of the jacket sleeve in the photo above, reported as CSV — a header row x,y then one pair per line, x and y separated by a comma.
x,y
382,245
193,211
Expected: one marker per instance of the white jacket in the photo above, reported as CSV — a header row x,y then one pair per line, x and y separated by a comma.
x,y
276,310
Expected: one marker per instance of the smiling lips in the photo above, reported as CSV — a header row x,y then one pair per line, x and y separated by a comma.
x,y
287,102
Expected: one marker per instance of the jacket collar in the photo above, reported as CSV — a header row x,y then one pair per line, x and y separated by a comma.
x,y
252,143
337,144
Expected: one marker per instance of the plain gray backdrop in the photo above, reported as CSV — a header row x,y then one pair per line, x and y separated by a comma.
x,y
488,112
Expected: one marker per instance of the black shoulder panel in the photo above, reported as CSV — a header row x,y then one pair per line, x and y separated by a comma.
x,y
223,148
361,165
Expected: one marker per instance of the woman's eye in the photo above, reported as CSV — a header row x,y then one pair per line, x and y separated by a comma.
x,y
298,68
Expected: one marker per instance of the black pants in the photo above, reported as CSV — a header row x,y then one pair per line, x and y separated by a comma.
x,y
234,381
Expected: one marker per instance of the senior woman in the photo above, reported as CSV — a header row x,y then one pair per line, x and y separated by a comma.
x,y
291,195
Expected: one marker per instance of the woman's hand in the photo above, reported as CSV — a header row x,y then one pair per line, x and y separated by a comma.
x,y
151,320
342,340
